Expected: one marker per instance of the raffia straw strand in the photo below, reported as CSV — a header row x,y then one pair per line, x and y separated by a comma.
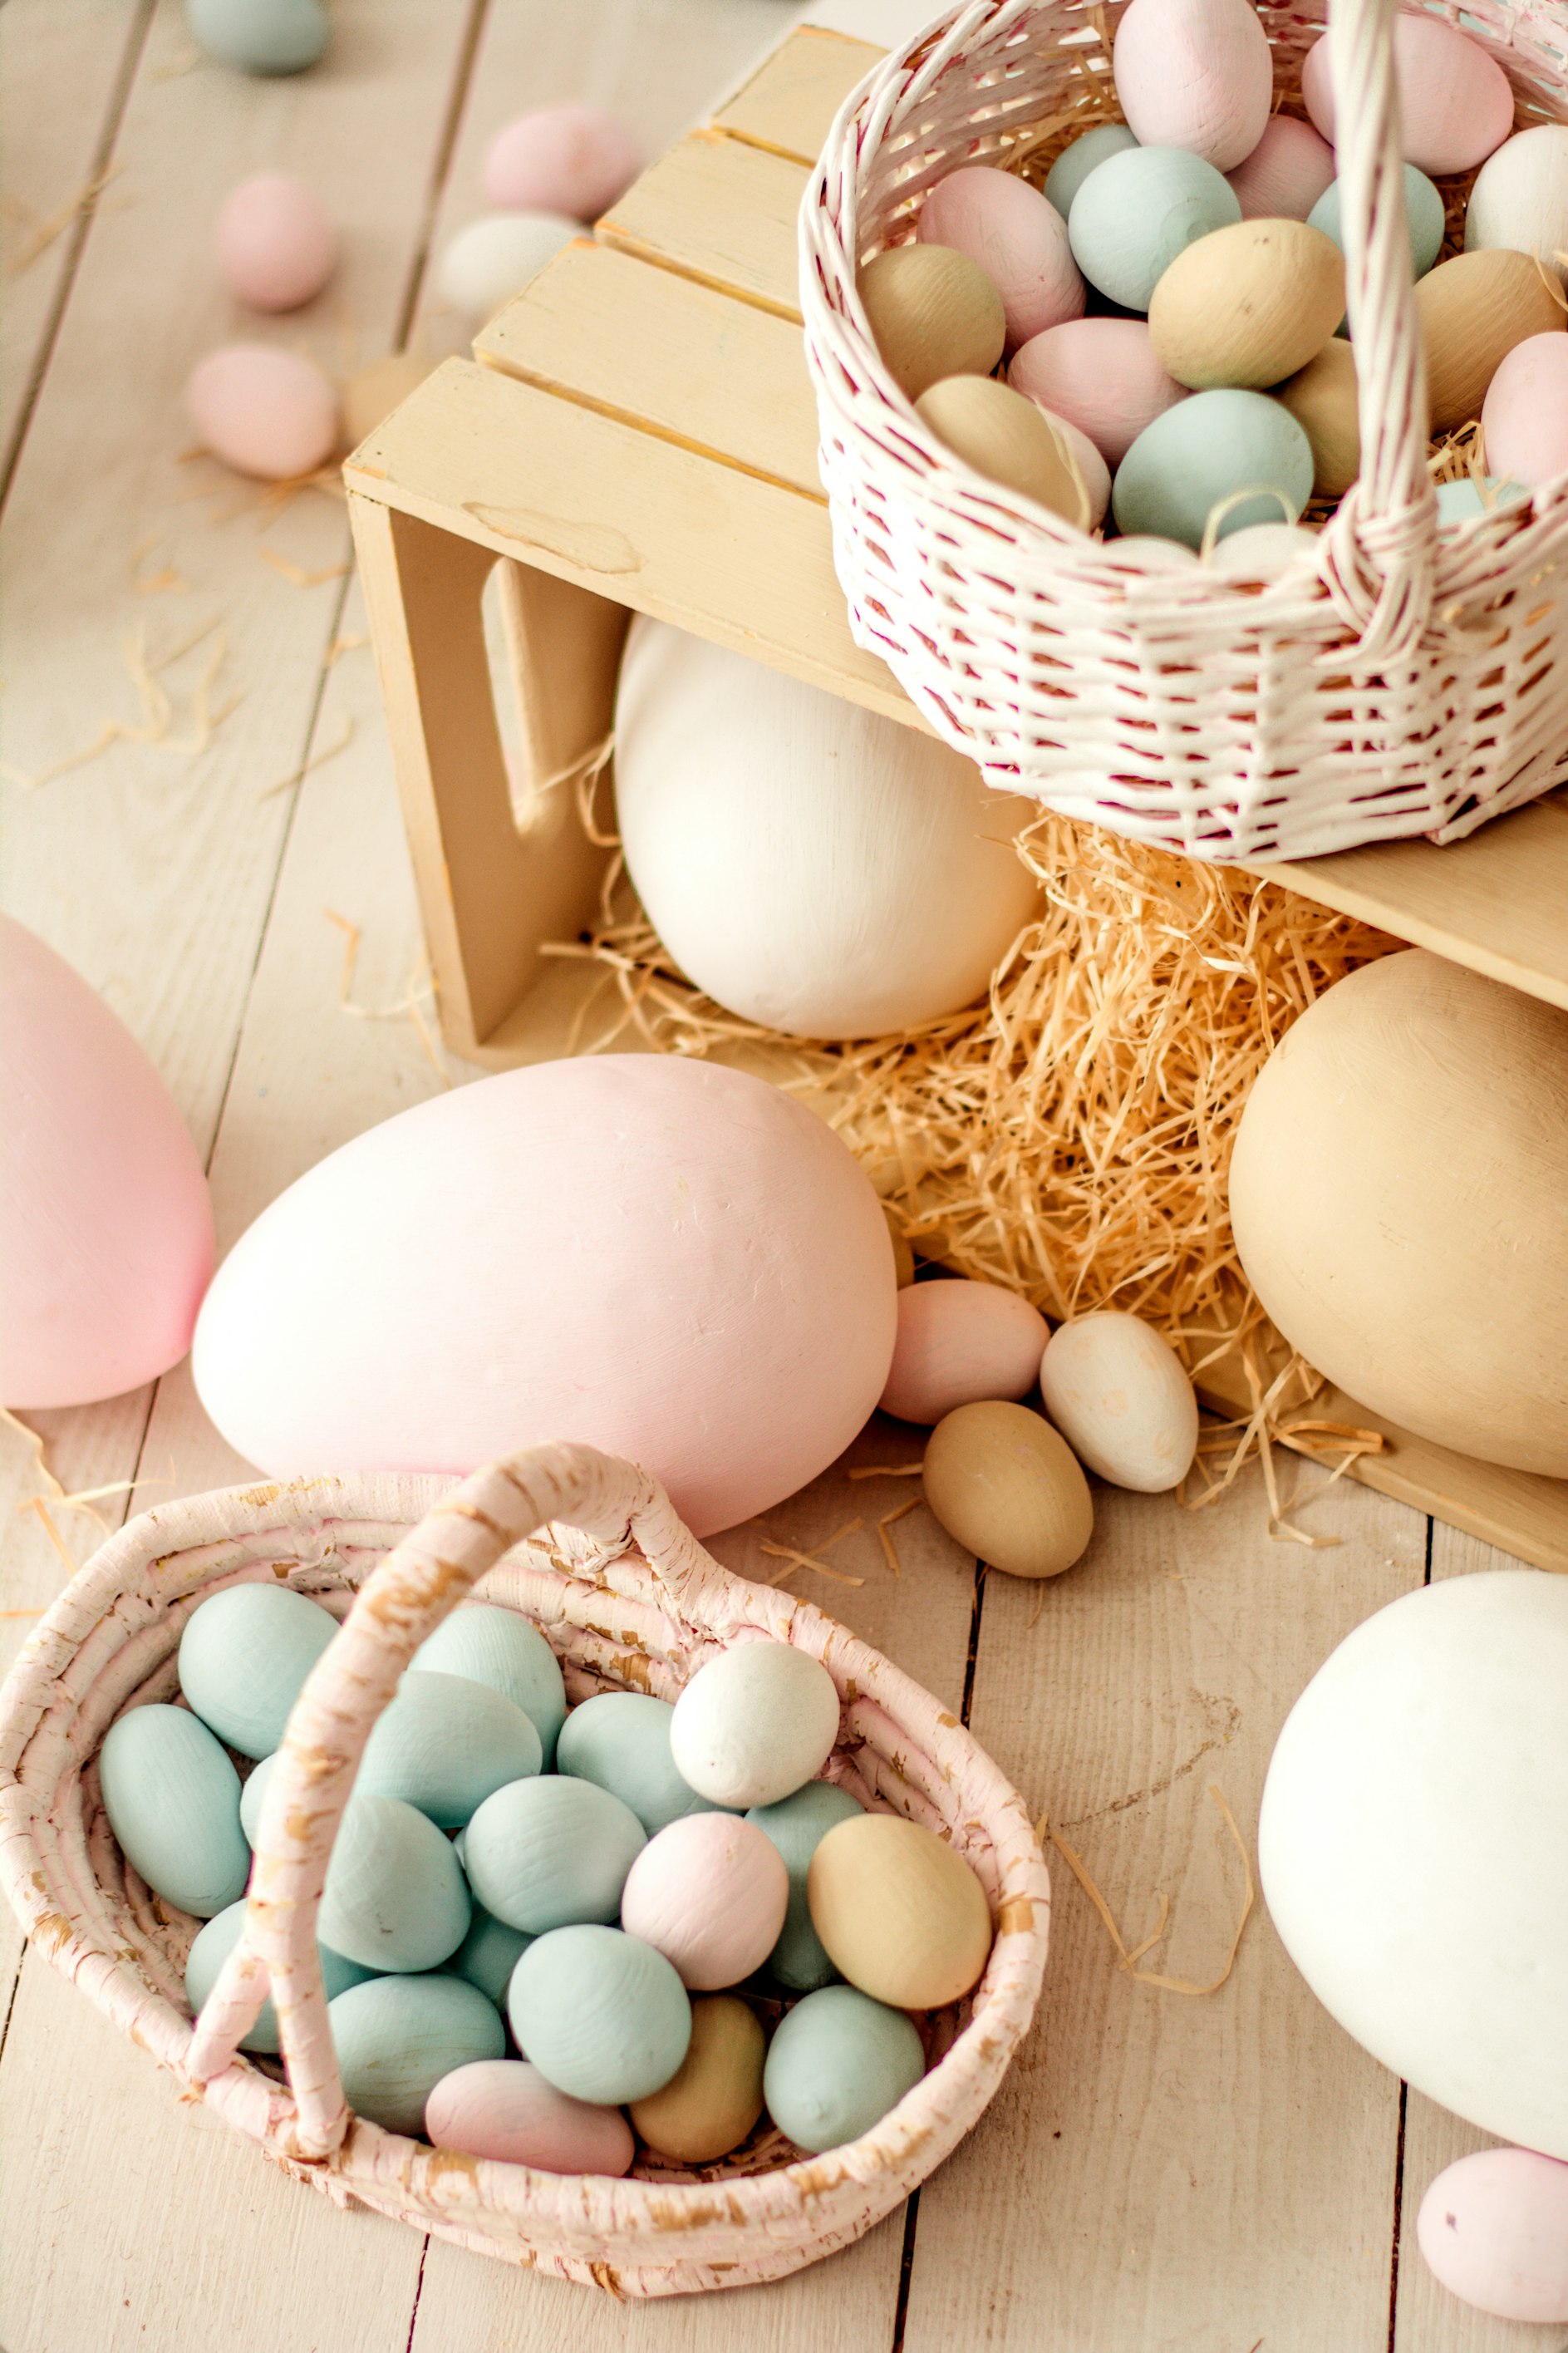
x,y
1128,1960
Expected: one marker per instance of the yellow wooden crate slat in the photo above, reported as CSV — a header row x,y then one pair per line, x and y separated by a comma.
x,y
790,102
721,211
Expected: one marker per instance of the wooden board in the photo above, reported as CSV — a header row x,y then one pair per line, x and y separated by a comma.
x,y
789,101
718,210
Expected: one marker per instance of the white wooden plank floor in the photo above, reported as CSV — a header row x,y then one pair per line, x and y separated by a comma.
x,y
1161,2174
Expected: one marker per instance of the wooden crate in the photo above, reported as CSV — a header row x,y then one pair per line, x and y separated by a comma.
x,y
636,433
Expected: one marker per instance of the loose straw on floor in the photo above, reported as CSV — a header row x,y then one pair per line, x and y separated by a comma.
x,y
1128,1960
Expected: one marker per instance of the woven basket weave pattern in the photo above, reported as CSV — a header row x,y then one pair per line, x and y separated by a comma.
x,y
1389,684
629,1600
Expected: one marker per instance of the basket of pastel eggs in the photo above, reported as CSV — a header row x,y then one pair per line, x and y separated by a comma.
x,y
623,1919
1194,407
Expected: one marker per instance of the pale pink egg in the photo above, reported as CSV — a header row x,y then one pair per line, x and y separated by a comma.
x,y
503,2108
709,1892
574,160
1197,74
1525,419
1016,236
1286,173
106,1229
1091,465
962,1344
1494,2229
275,244
1102,375
1455,101
264,412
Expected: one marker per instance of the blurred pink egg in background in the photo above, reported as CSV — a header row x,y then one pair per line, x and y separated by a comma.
x,y
1286,173
275,244
574,159
264,412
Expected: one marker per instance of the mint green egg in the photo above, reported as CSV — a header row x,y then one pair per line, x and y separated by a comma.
x,y
244,1658
395,1898
549,1852
396,2037
252,1790
838,2062
444,1744
1138,210
1200,453
600,2014
259,36
1422,211
213,1947
506,1650
172,1801
1459,501
620,1740
489,1953
1074,164
798,1825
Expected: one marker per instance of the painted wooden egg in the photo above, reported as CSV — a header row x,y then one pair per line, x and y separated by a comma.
x,y
1397,1198
372,392
489,1953
543,1853
261,36
488,1644
1006,1486
268,412
395,1899
505,2109
1520,197
1120,1396
898,1911
1410,1845
275,244
1423,214
106,1228
1137,211
601,2014
1102,375
1016,236
931,312
1524,417
397,2037
709,1290
710,2106
1195,74
958,1342
709,1892
252,1790
798,1825
1466,500
1007,439
621,1740
903,1256
1455,101
445,1743
485,264
1263,553
813,866
1194,462
754,1724
244,1657
212,1946
172,1801
1322,399
838,2062
1494,2230
1248,305
1286,173
1076,161
1092,471
574,160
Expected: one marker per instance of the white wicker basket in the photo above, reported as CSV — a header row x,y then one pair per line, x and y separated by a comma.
x,y
1391,682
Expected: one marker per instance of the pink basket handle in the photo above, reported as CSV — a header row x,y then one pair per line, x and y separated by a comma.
x,y
399,1606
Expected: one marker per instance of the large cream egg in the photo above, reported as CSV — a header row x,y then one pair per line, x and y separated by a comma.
x,y
1520,197
668,1259
485,264
1398,1198
814,867
1410,1845
1196,74
1118,1393
754,1724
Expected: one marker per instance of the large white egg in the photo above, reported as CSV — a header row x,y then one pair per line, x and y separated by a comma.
x,y
1411,1845
662,1258
812,866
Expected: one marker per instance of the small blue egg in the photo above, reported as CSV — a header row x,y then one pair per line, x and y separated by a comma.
x,y
444,1744
797,1826
546,1853
213,1947
1074,164
252,1790
395,1898
261,36
506,1650
1422,211
620,1740
838,2062
1138,210
396,2037
1203,451
1458,501
600,2014
244,1658
172,1801
489,1953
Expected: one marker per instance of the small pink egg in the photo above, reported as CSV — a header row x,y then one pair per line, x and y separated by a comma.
x,y
1102,375
709,1892
275,244
1455,100
264,412
962,1344
1286,173
1091,465
574,160
1524,418
1494,2229
1019,239
504,2108
1197,74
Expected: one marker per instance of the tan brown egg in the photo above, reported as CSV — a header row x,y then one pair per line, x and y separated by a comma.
x,y
899,1912
1473,310
1008,1487
1009,440
1247,305
711,2104
1321,398
932,313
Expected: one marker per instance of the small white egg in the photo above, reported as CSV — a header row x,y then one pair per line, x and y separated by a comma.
x,y
495,257
1119,1395
754,1724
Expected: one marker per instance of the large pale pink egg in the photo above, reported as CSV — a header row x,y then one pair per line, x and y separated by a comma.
x,y
1494,2229
275,244
1455,101
574,160
1102,375
665,1258
1524,418
961,1343
1286,173
106,1229
709,1892
1016,236
1197,74
504,2108
268,412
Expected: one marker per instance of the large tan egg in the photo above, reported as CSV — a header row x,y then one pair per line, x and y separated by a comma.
x,y
1008,439
1321,398
898,1911
1399,1193
932,313
710,2106
1247,305
1008,1487
1120,1397
1473,310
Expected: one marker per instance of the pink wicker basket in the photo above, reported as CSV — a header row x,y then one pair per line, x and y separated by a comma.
x,y
1392,681
629,1599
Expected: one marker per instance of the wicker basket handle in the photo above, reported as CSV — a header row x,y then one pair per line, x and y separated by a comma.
x,y
400,1604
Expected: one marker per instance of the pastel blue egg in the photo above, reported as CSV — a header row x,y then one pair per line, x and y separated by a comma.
x,y
600,2014
172,1801
796,1826
1422,211
396,2037
395,1898
1074,164
838,2062
244,1658
489,1953
544,1853
621,1741
1458,501
498,1647
252,1790
444,1744
261,36
1201,452
213,1947
1138,210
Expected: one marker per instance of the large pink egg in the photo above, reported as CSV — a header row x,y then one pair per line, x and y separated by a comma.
x,y
106,1229
961,1343
574,160
268,412
1455,101
709,1892
1102,375
1524,418
1016,236
1286,173
275,244
504,2108
1494,2229
668,1259
1197,74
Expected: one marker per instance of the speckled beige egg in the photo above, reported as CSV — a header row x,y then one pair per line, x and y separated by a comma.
x,y
1006,1485
899,1913
1473,310
1008,439
1321,398
1119,1395
1247,305
932,313
712,2104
